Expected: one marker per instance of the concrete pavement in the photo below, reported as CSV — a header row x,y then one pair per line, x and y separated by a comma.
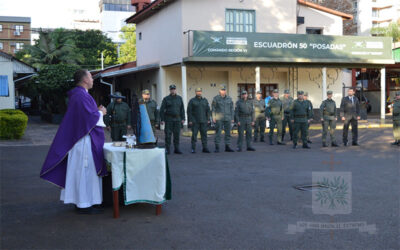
x,y
219,201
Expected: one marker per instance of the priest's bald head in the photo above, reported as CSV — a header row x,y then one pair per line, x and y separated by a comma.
x,y
82,77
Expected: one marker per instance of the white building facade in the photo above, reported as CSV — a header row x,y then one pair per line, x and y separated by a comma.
x,y
10,68
165,37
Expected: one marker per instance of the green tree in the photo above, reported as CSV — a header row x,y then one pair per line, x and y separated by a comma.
x,y
79,47
90,44
51,48
127,51
52,83
393,30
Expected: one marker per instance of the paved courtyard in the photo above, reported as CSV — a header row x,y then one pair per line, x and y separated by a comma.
x,y
219,201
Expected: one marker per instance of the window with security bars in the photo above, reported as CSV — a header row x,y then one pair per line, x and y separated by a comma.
x,y
266,88
240,20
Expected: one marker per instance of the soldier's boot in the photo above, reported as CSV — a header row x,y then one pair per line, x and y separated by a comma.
x,y
294,145
334,144
324,145
205,150
270,141
395,143
228,149
305,145
262,139
239,149
193,151
281,143
177,151
250,149
216,149
308,141
255,139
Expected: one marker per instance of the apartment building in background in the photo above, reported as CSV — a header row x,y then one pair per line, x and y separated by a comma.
x,y
113,14
15,33
369,14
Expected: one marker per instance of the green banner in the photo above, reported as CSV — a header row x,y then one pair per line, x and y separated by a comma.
x,y
278,47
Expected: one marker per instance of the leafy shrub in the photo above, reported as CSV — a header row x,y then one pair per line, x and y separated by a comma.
x,y
12,123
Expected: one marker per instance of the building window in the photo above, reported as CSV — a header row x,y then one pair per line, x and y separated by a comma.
x,y
240,20
375,13
19,28
1,45
1,27
315,31
19,46
266,88
4,86
355,18
118,7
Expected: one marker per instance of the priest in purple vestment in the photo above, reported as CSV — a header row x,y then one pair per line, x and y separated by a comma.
x,y
75,161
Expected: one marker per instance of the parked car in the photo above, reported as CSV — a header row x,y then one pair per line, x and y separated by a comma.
x,y
22,102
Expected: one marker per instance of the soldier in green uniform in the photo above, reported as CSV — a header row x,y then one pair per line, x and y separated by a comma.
x,y
275,114
119,118
244,117
198,112
172,114
287,101
328,113
310,106
222,114
396,119
151,107
259,115
300,115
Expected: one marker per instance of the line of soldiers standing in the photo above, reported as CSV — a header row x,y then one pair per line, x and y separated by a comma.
x,y
281,113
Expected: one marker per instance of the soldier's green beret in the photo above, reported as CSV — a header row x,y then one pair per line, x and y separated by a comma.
x,y
172,86
329,92
259,92
397,93
222,87
244,92
300,92
146,91
306,93
275,91
286,91
198,90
